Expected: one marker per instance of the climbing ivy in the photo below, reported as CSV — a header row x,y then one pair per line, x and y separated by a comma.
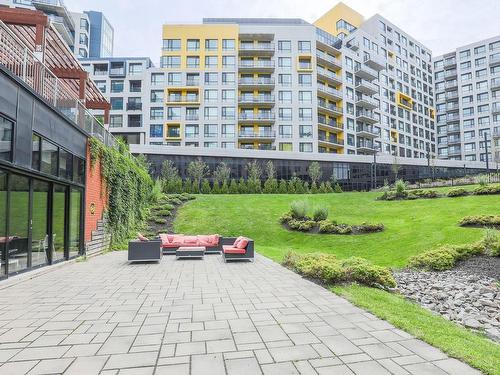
x,y
128,185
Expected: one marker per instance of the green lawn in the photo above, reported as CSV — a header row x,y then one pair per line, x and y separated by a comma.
x,y
411,226
453,339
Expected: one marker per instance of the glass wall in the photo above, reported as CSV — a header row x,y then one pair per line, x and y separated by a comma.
x,y
18,221
58,220
74,222
3,222
6,128
40,229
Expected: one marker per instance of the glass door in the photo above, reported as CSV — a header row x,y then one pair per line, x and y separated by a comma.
x,y
74,222
58,223
40,229
3,223
18,237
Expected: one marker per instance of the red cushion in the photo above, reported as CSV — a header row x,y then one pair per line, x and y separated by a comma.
x,y
242,244
190,240
170,237
232,250
237,241
204,240
141,237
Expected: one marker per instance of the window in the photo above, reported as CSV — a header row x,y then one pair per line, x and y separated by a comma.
x,y
135,86
157,78
157,96
229,145
304,46
6,130
285,131
285,96
305,131
193,44
479,50
116,86
192,131
210,130
174,79
156,131
305,96
285,113
228,95
101,85
285,62
228,44
210,144
135,68
210,78
173,113
65,165
84,39
228,113
464,54
284,45
305,113
172,44
211,95
285,79
305,79
156,113
116,103
49,158
193,61
211,44
286,147
35,152
116,121
84,24
228,130
228,61
171,62
210,113
228,78
305,147
210,61
480,62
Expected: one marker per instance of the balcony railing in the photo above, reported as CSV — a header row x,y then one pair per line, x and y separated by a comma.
x,y
193,82
329,90
256,47
256,64
367,130
256,81
331,140
134,106
256,99
450,62
330,59
23,63
183,99
328,74
256,116
260,134
330,107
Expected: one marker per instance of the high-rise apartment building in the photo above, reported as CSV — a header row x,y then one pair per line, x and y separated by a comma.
x,y
341,86
101,35
468,102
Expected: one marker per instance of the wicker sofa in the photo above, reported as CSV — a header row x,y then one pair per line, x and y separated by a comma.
x,y
144,251
240,248
171,242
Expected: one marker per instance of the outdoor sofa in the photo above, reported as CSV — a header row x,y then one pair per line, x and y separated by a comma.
x,y
171,242
240,248
144,250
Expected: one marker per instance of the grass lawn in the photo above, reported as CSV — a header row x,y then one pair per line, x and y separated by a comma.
x,y
411,226
453,339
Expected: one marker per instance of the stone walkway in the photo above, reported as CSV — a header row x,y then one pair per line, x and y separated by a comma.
x,y
205,317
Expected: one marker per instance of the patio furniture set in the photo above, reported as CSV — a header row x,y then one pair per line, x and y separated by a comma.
x,y
182,246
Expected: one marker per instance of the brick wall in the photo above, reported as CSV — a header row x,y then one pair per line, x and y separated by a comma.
x,y
95,197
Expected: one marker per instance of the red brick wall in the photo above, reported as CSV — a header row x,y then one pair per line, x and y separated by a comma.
x,y
95,196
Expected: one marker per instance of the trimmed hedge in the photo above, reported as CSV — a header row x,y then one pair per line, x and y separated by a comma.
x,y
481,220
457,193
486,190
328,269
305,224
445,257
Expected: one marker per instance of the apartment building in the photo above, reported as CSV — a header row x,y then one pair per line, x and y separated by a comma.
x,y
468,102
341,85
135,90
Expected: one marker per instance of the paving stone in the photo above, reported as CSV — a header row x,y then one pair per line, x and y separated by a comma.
x,y
424,369
305,368
87,365
180,369
131,360
379,351
209,364
40,353
17,368
84,350
334,370
51,366
220,346
247,338
392,366
272,333
454,366
243,366
293,353
189,348
339,345
285,368
116,345
369,367
303,338
263,356
137,371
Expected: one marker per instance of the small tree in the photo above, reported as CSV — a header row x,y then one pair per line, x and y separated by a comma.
x,y
196,170
315,172
222,173
254,174
271,184
170,177
216,188
322,188
224,189
395,167
328,187
282,188
314,188
337,188
233,187
242,186
205,187
188,186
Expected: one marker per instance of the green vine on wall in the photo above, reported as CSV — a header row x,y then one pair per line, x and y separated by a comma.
x,y
128,185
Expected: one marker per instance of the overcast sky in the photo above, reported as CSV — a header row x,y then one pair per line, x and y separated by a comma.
x,y
441,25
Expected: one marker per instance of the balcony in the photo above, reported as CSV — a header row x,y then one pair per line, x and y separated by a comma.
x,y
250,82
183,99
449,62
454,140
365,72
450,73
329,76
131,106
329,92
366,148
117,72
266,135
454,152
366,101
328,60
450,85
453,129
495,84
330,141
330,108
495,60
452,117
366,117
442,142
375,62
260,146
262,117
260,99
496,133
452,107
192,82
366,131
256,66
192,117
330,125
261,49
451,95
366,87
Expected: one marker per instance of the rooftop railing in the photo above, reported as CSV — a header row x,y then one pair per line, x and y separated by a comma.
x,y
24,64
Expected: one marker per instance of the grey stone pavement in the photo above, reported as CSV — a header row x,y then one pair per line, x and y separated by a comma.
x,y
104,316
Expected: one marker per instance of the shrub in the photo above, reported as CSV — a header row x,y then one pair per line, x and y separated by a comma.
x,y
481,220
158,220
233,187
457,193
164,206
327,226
163,212
299,209
337,188
282,187
306,226
185,197
369,228
487,190
328,187
320,214
285,218
482,180
326,268
400,188
491,242
425,193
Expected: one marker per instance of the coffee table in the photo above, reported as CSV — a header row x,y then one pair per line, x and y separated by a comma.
x,y
190,252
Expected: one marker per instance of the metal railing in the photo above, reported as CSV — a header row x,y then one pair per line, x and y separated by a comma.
x,y
24,64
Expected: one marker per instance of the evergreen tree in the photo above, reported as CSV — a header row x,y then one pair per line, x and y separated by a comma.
x,y
216,188
314,188
188,187
337,188
254,177
315,172
328,186
242,186
233,187
197,170
205,187
291,186
224,188
282,188
306,187
322,188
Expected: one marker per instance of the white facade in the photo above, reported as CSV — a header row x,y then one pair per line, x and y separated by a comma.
x,y
82,34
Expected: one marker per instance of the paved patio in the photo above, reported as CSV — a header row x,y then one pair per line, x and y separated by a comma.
x,y
205,317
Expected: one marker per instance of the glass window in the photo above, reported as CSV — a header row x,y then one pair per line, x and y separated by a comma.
x,y
156,131
228,130
285,96
210,130
157,96
65,165
157,78
305,131
228,44
116,103
49,158
19,200
78,170
285,131
211,61
172,44
58,220
3,221
193,61
75,203
115,121
228,61
39,231
135,68
304,46
156,113
211,44
35,152
284,45
305,147
6,129
116,86
173,79
192,131
193,44
285,62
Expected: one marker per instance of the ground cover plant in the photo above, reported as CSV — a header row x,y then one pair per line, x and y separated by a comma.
x,y
481,221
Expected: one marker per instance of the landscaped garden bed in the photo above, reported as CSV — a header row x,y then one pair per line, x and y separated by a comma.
x,y
162,213
298,219
477,221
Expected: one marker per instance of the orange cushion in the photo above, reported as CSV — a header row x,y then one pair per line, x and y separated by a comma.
x,y
232,250
242,243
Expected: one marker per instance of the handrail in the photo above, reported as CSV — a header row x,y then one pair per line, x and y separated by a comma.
x,y
24,64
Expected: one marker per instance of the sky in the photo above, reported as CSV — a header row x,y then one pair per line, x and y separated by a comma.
x,y
441,25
